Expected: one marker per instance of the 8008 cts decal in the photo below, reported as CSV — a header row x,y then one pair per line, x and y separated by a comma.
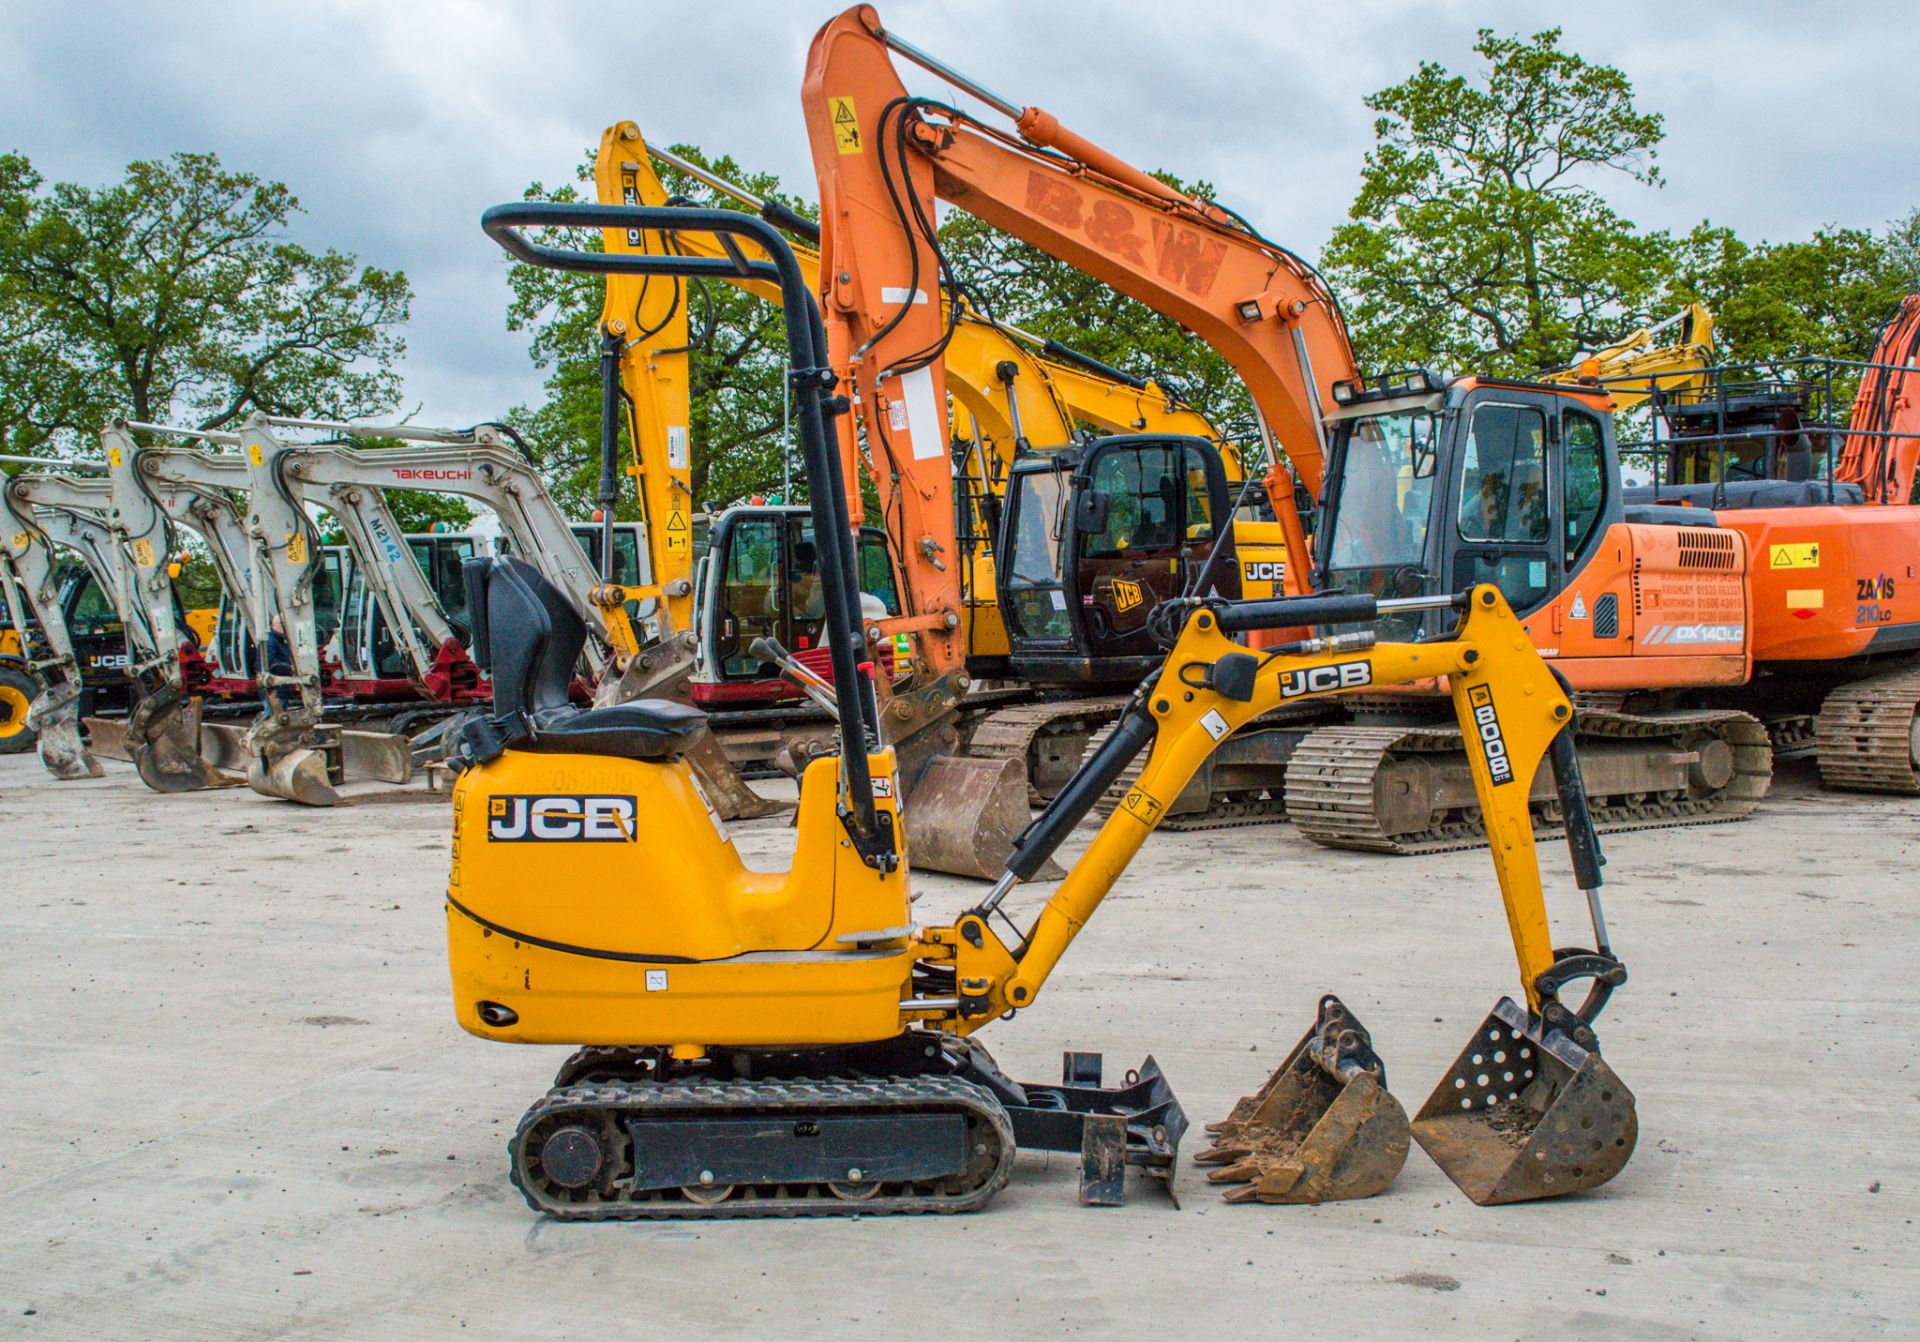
x,y
560,818
1487,723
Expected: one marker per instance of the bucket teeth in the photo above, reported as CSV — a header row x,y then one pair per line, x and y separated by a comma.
x,y
1525,1113
1323,1127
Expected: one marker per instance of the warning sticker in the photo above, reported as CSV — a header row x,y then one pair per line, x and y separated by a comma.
x,y
143,553
846,126
297,548
253,453
1579,610
1806,598
1797,554
678,538
677,447
21,540
1143,808
1215,724
113,456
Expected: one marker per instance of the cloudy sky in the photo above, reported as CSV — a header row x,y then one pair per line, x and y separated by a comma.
x,y
397,121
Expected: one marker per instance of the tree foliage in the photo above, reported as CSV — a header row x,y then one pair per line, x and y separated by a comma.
x,y
175,295
1825,297
1478,238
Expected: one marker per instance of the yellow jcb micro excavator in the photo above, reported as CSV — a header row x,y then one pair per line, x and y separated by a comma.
x,y
781,1043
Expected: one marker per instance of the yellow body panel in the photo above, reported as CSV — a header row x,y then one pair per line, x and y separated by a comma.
x,y
636,922
660,935
10,645
204,623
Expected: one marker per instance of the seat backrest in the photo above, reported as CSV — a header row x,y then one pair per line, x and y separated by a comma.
x,y
526,634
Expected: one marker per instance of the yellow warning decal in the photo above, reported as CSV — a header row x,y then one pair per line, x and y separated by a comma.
x,y
113,456
1143,807
1807,598
143,553
846,126
297,548
1126,595
1797,554
21,540
253,453
677,535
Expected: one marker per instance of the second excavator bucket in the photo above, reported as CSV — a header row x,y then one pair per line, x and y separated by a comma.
x,y
1322,1129
163,741
285,760
1525,1112
964,814
56,717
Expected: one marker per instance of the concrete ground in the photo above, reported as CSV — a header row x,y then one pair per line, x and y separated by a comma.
x,y
235,1103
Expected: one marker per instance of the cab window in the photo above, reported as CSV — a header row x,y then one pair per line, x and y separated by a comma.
x,y
1199,502
1503,486
1143,493
1584,480
876,570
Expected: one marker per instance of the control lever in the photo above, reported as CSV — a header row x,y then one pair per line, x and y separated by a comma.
x,y
816,689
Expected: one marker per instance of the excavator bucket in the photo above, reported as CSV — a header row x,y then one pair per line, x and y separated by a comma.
x,y
56,717
286,761
163,741
1322,1129
964,814
1527,1113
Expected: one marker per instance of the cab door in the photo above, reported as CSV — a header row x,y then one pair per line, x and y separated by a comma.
x,y
1154,514
1502,524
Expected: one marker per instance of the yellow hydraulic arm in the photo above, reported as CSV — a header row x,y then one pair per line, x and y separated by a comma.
x,y
1633,366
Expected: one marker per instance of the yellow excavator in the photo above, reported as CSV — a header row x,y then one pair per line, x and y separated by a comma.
x,y
1636,366
795,1042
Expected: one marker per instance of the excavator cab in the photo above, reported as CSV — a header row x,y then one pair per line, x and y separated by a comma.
x,y
762,580
1435,488
1093,538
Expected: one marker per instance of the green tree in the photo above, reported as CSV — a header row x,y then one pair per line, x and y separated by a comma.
x,y
1903,249
175,295
1825,297
737,375
1478,238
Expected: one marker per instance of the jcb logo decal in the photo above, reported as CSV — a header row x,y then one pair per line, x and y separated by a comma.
x,y
564,818
1126,595
1325,679
1486,723
1264,570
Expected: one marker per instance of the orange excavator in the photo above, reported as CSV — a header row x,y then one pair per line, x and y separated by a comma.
x,y
1425,485
1830,514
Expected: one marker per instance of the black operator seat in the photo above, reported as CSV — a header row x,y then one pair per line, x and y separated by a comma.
x,y
528,636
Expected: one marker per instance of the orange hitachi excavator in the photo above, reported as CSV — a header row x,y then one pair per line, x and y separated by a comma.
x,y
1831,516
1425,485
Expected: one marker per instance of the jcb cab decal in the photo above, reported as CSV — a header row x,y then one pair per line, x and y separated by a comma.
x,y
561,818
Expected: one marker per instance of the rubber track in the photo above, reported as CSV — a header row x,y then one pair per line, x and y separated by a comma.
x,y
1010,733
605,1103
1330,781
1864,736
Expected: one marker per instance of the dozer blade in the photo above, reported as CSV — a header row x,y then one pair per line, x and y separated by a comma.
x,y
57,720
163,741
724,786
964,813
285,761
380,756
1322,1129
1527,1113
107,738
